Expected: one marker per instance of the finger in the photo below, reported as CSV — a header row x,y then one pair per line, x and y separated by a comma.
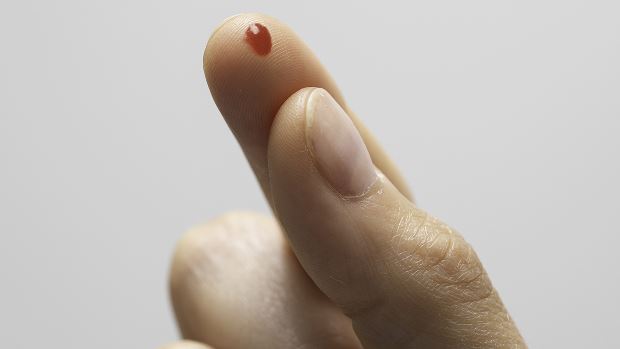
x,y
186,345
236,284
249,88
403,277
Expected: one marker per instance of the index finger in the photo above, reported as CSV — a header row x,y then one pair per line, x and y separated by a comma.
x,y
252,64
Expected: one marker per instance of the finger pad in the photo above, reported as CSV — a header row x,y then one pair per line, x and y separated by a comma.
x,y
248,84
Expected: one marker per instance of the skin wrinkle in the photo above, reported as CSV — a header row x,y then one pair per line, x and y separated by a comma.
x,y
458,262
400,232
404,224
398,229
480,324
455,264
341,282
420,240
435,253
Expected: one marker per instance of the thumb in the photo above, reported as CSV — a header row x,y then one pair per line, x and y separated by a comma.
x,y
402,276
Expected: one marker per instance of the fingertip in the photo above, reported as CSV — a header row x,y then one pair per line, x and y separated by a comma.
x,y
252,64
228,36
234,51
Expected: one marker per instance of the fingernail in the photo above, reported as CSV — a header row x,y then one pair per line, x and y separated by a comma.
x,y
337,147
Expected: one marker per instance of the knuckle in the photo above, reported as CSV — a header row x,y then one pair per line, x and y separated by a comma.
x,y
203,251
460,274
440,259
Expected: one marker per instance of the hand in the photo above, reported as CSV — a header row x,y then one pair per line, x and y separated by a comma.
x,y
349,261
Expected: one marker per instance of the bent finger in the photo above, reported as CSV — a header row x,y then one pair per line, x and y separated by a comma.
x,y
235,284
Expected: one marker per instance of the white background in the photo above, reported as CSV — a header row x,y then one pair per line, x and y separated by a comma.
x,y
504,115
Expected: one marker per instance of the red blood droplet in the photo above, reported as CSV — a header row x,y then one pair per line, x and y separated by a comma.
x,y
259,38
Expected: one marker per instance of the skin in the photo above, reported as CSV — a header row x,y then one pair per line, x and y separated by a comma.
x,y
328,270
